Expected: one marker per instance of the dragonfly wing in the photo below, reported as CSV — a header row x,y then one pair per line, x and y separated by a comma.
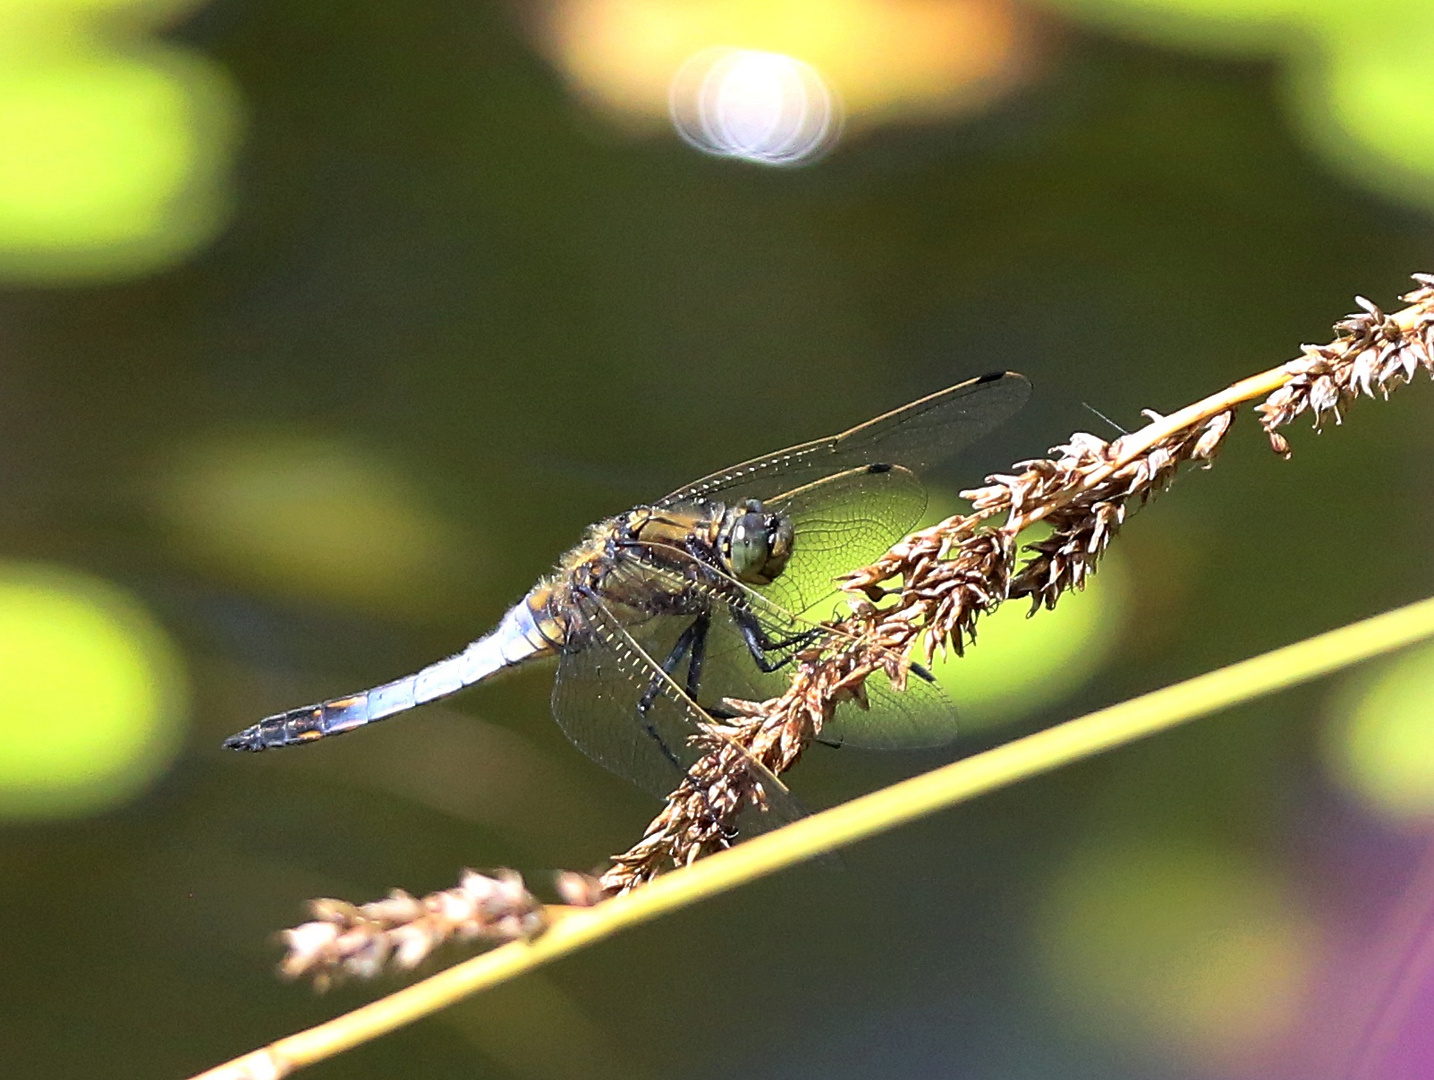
x,y
729,668
596,702
917,436
919,717
842,522
595,699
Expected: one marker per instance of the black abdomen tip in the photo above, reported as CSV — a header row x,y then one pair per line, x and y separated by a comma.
x,y
248,739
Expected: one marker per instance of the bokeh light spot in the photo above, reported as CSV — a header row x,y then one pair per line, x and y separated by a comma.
x,y
1020,664
310,517
1373,119
114,151
885,59
1357,72
758,106
1186,950
1379,740
91,694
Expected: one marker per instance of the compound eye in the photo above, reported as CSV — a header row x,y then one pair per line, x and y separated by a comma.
x,y
747,548
780,538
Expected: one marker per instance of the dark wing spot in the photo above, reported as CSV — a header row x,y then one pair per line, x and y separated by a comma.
x,y
879,467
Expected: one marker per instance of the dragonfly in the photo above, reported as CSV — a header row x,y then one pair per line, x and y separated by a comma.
x,y
708,594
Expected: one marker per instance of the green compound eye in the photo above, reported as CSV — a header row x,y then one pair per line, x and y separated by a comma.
x,y
747,547
758,546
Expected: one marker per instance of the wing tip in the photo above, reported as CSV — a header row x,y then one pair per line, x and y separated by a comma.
x,y
999,376
1015,385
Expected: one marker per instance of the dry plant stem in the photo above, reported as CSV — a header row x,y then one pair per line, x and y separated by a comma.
x,y
570,929
399,931
954,572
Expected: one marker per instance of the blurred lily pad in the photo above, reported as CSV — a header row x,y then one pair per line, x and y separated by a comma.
x,y
308,517
1185,948
116,148
1368,119
1379,740
92,693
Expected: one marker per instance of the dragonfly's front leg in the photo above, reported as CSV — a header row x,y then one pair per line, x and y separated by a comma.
x,y
760,645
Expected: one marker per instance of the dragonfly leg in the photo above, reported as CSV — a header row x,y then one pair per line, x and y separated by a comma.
x,y
759,644
691,644
728,832
698,630
656,737
692,641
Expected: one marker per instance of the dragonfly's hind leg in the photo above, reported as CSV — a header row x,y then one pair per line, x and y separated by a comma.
x,y
693,642
698,630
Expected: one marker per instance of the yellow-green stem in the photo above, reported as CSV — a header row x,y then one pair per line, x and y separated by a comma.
x,y
857,820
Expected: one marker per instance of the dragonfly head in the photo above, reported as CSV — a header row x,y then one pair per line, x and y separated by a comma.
x,y
755,544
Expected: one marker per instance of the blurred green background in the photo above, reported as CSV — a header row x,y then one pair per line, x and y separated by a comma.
x,y
326,328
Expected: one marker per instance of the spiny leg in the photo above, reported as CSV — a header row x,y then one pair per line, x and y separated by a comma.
x,y
692,640
698,629
759,644
692,644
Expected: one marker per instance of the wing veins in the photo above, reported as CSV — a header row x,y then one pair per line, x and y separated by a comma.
x,y
618,638
768,606
976,406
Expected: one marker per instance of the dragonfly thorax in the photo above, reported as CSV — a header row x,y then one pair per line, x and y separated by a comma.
x,y
755,545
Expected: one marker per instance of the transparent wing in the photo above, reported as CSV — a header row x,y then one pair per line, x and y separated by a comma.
x,y
842,522
917,436
728,667
921,716
596,703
